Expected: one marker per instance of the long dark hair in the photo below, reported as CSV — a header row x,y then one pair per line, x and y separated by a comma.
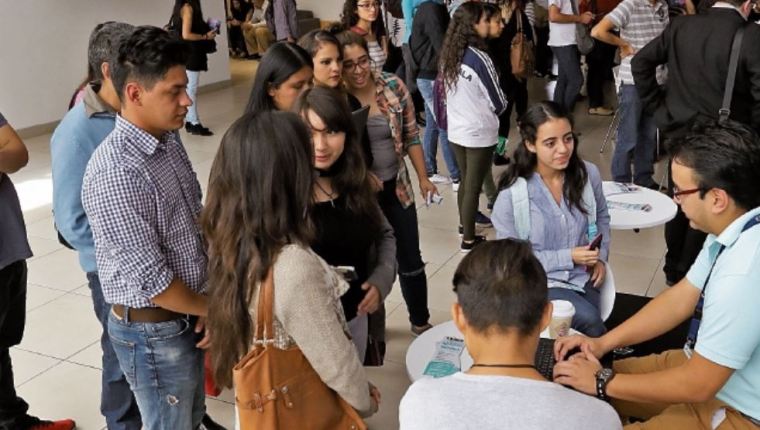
x,y
279,63
350,18
252,211
350,177
525,162
176,19
460,34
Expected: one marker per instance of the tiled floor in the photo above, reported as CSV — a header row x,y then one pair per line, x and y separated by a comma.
x,y
57,365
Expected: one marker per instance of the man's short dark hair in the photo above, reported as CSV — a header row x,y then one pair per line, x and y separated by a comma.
x,y
146,56
104,44
501,284
725,156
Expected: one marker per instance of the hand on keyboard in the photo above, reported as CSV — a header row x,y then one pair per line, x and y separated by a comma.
x,y
565,344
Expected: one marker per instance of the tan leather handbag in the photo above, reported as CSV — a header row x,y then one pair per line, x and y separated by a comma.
x,y
521,54
279,389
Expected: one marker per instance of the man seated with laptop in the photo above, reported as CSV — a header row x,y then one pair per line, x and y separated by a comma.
x,y
714,382
502,307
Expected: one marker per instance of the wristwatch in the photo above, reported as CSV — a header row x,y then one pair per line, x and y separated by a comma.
x,y
603,377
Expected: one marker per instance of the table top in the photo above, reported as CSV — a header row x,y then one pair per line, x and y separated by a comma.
x,y
422,349
663,209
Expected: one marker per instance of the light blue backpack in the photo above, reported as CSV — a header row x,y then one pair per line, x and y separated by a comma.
x,y
521,208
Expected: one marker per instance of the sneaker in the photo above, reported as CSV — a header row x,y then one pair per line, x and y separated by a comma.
x,y
438,179
455,185
601,111
419,329
466,247
482,220
208,424
52,425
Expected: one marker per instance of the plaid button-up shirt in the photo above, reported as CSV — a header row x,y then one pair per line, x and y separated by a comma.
x,y
143,199
395,102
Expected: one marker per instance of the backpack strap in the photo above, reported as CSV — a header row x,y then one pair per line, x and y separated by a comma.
x,y
725,111
521,207
589,204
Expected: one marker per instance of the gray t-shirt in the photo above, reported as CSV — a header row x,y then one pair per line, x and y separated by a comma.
x,y
13,243
385,160
481,402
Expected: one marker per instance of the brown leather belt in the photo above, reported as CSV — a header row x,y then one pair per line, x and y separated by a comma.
x,y
149,315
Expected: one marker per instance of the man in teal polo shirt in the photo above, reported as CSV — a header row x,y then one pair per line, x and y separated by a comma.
x,y
714,382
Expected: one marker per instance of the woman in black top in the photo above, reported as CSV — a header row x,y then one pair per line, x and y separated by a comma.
x,y
351,230
188,17
515,88
240,12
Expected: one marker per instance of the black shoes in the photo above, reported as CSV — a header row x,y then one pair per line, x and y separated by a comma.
x,y
209,424
198,129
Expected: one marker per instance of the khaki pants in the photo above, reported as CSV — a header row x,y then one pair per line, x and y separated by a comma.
x,y
257,39
673,416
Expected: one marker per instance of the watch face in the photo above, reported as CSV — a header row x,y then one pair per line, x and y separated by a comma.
x,y
605,373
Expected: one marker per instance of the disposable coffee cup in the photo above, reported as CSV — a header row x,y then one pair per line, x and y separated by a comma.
x,y
562,318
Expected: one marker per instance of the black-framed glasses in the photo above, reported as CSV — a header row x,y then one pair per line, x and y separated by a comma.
x,y
362,62
677,193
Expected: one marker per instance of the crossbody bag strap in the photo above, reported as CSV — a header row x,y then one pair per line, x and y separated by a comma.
x,y
265,310
733,64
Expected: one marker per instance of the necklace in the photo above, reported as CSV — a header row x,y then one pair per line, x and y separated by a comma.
x,y
330,196
509,366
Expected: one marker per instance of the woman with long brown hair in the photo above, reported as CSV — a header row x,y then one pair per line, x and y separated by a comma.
x,y
257,220
351,231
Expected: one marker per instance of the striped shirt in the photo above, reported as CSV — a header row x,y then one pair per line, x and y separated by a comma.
x,y
639,22
143,199
377,55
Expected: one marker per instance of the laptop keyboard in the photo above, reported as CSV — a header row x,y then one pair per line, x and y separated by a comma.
x,y
544,359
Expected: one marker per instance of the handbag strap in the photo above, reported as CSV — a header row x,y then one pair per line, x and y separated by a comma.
x,y
733,64
265,311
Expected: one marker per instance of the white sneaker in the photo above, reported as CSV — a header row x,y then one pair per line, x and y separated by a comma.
x,y
455,186
439,179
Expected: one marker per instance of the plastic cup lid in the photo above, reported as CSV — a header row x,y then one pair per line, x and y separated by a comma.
x,y
562,308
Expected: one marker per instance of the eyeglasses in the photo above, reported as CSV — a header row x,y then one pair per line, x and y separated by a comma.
x,y
677,194
362,62
373,5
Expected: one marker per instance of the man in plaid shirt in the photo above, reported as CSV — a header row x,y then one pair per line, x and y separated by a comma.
x,y
142,199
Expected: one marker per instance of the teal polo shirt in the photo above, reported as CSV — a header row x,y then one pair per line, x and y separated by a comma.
x,y
729,333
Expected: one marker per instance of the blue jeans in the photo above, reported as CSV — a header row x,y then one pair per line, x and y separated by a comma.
x,y
164,370
636,138
569,76
117,404
192,92
587,319
433,135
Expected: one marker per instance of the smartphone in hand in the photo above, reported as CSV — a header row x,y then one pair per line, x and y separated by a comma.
x,y
596,242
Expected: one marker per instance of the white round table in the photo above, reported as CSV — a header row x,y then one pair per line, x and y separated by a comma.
x,y
422,349
663,208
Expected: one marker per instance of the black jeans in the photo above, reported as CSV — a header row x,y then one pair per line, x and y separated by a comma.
x,y
600,62
236,39
12,319
411,268
517,96
544,55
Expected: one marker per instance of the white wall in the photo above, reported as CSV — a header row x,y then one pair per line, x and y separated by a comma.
x,y
327,10
43,55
